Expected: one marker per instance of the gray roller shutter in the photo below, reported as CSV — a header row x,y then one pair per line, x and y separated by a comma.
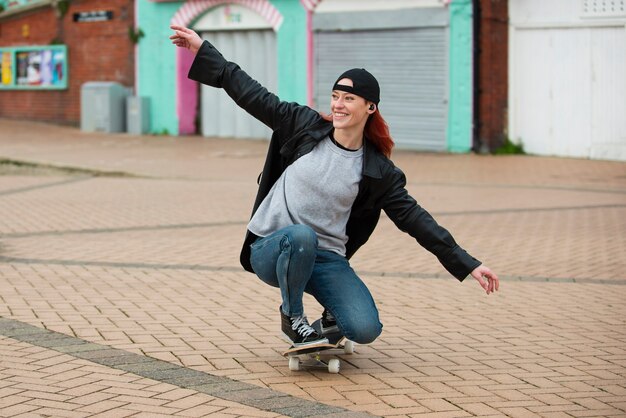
x,y
411,67
255,52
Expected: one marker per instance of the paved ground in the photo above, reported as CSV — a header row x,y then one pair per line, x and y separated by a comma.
x,y
121,292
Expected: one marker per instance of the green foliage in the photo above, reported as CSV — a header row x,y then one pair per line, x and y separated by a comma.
x,y
509,148
62,7
163,132
135,35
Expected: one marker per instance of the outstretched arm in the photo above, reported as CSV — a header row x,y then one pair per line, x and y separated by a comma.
x,y
409,217
211,68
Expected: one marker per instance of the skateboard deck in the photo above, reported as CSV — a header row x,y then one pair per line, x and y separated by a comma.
x,y
311,356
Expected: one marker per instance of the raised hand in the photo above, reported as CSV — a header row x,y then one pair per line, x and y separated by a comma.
x,y
186,38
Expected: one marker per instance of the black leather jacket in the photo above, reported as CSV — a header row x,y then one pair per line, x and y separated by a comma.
x,y
296,131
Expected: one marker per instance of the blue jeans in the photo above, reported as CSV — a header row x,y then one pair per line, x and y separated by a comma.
x,y
290,259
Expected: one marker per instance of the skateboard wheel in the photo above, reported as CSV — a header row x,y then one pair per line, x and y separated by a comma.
x,y
348,347
294,363
334,365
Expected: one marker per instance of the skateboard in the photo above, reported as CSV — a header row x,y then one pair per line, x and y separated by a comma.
x,y
311,356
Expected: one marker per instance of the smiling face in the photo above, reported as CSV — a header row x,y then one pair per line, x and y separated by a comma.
x,y
349,111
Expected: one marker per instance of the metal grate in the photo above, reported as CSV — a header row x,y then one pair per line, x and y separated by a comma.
x,y
412,75
603,8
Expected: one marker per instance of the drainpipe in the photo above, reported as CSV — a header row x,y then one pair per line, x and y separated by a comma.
x,y
477,145
309,58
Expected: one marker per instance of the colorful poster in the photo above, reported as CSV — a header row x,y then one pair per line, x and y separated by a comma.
x,y
33,70
34,67
21,58
57,65
6,72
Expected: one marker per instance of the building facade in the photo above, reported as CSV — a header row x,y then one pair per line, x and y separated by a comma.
x,y
420,50
49,49
567,72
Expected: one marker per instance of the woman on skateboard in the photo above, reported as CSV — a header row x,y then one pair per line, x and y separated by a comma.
x,y
323,186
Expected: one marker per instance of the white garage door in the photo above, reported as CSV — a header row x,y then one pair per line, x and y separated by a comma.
x,y
568,91
567,63
255,52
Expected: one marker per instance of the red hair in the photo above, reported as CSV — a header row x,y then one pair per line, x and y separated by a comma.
x,y
377,131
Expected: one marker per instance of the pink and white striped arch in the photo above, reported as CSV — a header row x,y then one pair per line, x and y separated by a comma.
x,y
186,91
193,8
310,5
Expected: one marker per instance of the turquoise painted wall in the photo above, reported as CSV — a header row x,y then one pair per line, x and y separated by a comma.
x,y
459,134
156,75
291,51
157,59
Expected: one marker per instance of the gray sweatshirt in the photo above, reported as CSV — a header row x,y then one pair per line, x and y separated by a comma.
x,y
317,190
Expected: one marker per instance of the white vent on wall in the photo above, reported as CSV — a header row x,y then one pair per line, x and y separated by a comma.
x,y
603,8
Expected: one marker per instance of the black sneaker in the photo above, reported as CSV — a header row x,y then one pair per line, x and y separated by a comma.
x,y
328,323
298,331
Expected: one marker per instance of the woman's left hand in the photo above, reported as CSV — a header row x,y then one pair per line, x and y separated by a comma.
x,y
483,272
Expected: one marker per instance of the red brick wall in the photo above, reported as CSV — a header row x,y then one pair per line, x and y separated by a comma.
x,y
97,51
492,75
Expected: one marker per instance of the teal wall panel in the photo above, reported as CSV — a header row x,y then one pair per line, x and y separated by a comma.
x,y
292,51
156,61
156,72
459,135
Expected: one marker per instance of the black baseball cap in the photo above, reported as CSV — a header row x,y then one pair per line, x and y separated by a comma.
x,y
364,84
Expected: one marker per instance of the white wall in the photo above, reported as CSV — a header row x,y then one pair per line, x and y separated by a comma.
x,y
565,11
567,78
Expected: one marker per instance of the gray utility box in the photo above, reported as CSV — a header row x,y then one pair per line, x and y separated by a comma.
x,y
103,107
137,115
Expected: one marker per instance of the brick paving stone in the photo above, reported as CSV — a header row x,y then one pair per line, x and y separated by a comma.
x,y
56,412
518,412
187,402
117,413
17,410
480,409
398,401
361,397
148,265
13,400
596,413
442,414
101,394
438,405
